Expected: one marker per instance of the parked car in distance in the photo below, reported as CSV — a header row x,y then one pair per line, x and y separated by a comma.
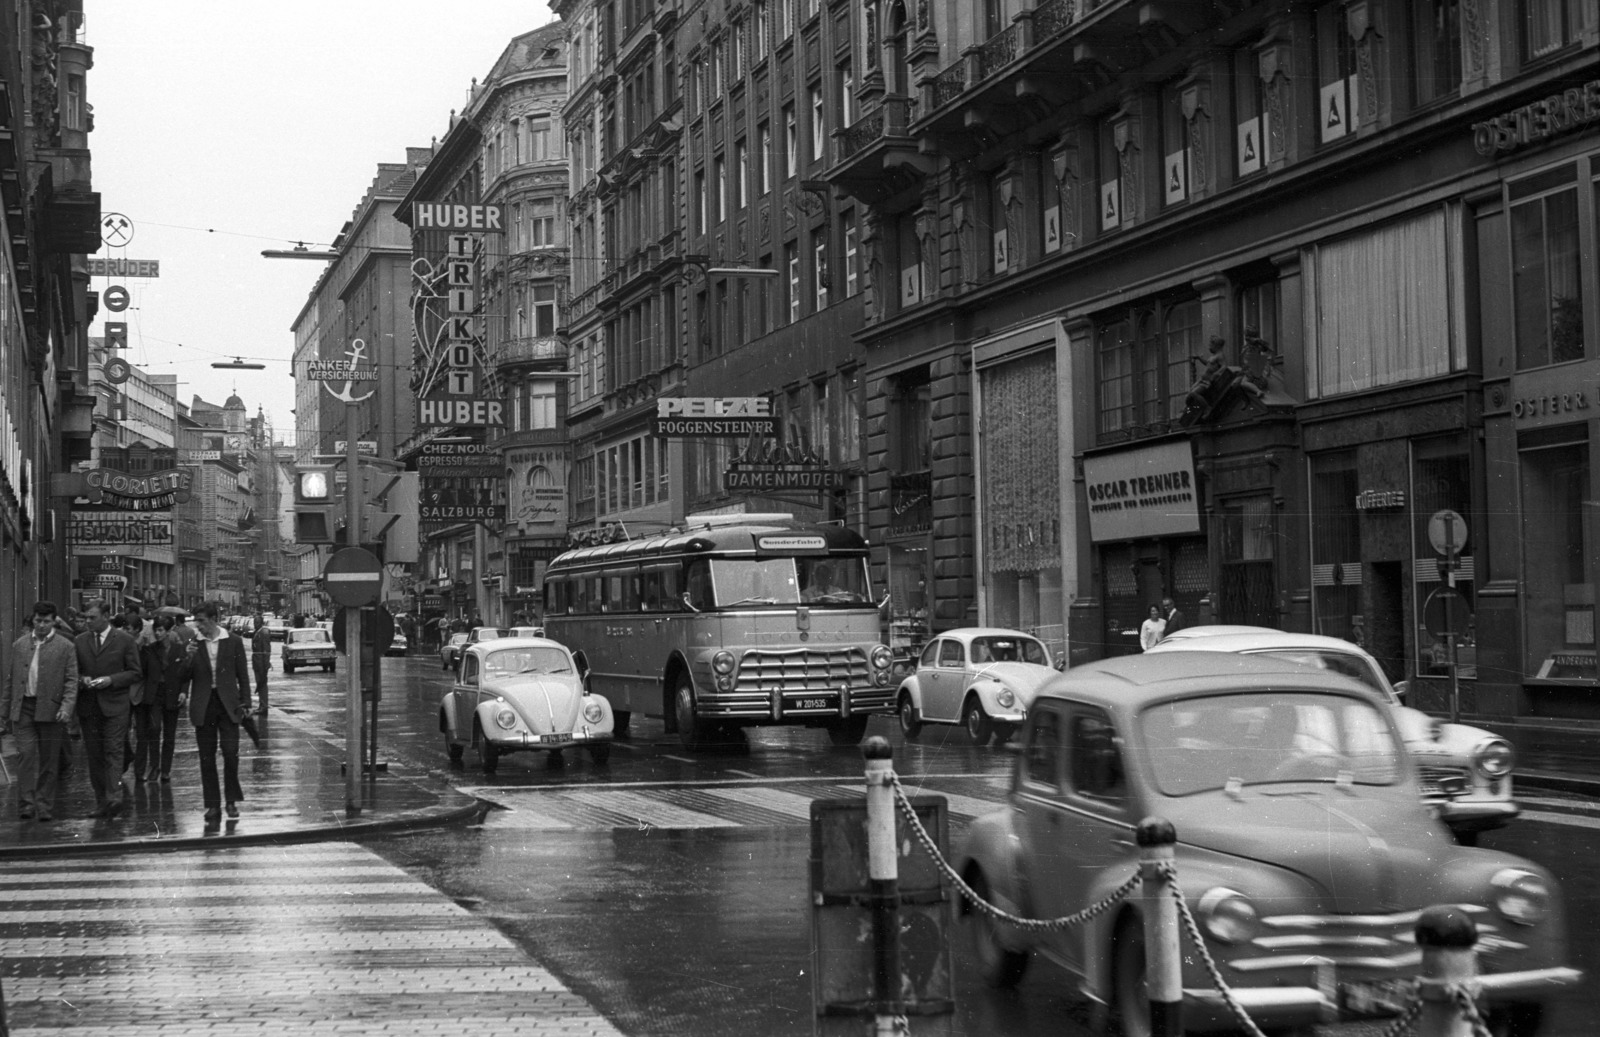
x,y
398,645
478,635
983,678
525,632
309,646
522,694
450,651
277,628
1305,851
1466,772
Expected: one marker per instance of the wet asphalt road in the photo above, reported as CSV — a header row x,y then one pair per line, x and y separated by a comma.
x,y
678,914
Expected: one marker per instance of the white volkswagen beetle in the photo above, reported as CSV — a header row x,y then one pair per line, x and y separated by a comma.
x,y
522,694
983,678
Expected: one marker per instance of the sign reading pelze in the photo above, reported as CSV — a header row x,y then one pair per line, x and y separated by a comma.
x,y
715,416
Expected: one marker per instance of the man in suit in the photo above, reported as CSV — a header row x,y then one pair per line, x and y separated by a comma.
x,y
108,666
261,659
1175,620
217,671
37,703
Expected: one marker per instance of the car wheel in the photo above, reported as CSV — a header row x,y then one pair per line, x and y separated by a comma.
x,y
998,966
621,722
454,749
488,753
600,753
444,664
976,723
848,731
1004,732
694,732
910,723
1523,1019
288,668
332,667
1129,992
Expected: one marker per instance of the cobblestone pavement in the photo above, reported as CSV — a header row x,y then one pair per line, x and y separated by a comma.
x,y
323,938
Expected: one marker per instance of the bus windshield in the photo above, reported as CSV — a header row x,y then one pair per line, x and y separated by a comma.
x,y
752,582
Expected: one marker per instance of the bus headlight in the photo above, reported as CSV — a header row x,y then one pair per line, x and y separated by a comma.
x,y
722,662
882,658
506,718
592,712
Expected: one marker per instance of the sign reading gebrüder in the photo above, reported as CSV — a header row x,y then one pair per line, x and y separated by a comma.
x,y
1146,492
711,417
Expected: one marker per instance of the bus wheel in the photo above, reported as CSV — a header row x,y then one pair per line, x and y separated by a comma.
x,y
693,732
848,731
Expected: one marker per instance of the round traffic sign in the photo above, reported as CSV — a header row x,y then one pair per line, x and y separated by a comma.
x,y
1447,531
1445,612
115,298
118,370
353,577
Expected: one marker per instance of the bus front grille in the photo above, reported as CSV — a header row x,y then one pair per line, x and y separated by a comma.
x,y
804,682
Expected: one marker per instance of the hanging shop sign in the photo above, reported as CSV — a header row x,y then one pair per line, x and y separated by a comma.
x,y
468,460
113,528
536,488
782,477
1148,492
124,267
123,491
713,417
910,504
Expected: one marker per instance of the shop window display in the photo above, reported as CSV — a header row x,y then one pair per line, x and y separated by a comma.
x,y
1441,480
1558,555
1335,546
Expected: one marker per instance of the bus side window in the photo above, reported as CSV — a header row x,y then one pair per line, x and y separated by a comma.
x,y
671,589
650,591
698,578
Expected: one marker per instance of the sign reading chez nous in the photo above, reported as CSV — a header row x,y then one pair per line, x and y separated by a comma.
x,y
1146,492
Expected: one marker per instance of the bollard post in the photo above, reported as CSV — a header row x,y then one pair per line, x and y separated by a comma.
x,y
1448,938
883,876
1163,955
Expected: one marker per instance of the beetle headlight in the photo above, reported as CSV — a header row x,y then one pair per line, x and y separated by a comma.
x,y
592,712
1521,896
1227,915
506,717
882,658
1494,758
722,662
1005,698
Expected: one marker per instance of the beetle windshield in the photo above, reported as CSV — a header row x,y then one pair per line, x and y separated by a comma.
x,y
526,660
1215,742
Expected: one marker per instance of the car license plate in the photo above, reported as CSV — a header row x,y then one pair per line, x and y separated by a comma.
x,y
1375,996
552,738
829,702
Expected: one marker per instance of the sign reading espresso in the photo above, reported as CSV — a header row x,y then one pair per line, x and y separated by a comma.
x,y
1147,492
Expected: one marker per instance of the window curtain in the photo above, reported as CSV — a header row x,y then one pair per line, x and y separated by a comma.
x,y
1021,498
1383,305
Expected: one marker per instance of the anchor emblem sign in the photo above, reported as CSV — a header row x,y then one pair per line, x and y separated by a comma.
x,y
331,372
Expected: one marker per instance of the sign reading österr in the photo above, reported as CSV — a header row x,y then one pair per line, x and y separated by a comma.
x,y
715,416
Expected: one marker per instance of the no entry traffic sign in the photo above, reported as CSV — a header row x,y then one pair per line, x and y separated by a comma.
x,y
353,577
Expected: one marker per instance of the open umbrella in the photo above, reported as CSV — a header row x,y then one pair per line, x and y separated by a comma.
x,y
172,610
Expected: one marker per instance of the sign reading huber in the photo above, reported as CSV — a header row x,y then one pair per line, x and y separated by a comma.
x,y
715,416
1147,492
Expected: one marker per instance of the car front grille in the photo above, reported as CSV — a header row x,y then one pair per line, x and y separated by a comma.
x,y
1383,944
1434,780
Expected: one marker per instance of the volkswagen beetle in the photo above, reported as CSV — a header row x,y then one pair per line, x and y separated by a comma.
x,y
982,678
522,694
1466,772
1305,852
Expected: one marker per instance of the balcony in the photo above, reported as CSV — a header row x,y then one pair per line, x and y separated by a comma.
x,y
878,156
1052,55
544,350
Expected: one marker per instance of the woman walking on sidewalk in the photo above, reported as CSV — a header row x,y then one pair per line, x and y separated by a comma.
x,y
218,675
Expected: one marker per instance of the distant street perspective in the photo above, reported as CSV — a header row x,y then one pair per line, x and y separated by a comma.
x,y
800,518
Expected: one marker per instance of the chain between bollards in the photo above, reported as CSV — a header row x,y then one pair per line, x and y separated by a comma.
x,y
883,881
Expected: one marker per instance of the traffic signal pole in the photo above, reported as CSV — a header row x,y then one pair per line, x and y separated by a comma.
x,y
352,625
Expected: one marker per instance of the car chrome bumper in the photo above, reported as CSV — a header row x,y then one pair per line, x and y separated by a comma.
x,y
1476,815
1296,1005
567,739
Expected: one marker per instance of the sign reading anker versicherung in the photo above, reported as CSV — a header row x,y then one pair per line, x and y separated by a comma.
x,y
1148,492
715,416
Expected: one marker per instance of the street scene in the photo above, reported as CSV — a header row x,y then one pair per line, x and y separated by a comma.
x,y
662,517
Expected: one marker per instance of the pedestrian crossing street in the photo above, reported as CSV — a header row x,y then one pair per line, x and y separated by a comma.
x,y
321,939
766,802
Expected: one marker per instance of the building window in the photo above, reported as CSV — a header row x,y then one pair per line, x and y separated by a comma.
x,y
909,248
540,140
1336,74
544,310
1558,554
738,52
1110,168
1336,571
720,203
1146,365
819,271
700,201
852,258
785,18
542,224
1174,147
847,95
1249,112
1553,24
715,94
819,132
1545,278
1436,30
791,143
741,159
764,159
761,29
542,405
792,263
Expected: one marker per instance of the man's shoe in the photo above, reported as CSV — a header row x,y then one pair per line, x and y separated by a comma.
x,y
233,810
166,779
114,808
213,815
25,813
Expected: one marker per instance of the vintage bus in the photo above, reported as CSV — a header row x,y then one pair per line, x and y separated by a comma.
x,y
732,621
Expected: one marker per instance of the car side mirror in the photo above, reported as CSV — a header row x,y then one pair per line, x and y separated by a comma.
x,y
1402,689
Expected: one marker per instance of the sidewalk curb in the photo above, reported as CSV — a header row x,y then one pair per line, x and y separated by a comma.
x,y
427,818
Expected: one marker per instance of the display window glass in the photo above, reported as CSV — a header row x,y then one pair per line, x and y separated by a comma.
x,y
1441,480
1557,554
1335,546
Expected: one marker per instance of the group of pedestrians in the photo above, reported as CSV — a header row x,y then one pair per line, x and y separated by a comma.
x,y
120,685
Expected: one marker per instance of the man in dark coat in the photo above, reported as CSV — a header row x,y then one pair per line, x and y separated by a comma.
x,y
218,675
261,660
1175,620
37,703
174,694
108,666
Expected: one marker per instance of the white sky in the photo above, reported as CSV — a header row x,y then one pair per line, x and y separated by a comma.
x,y
224,127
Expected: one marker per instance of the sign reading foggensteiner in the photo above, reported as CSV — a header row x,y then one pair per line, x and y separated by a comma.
x,y
715,416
